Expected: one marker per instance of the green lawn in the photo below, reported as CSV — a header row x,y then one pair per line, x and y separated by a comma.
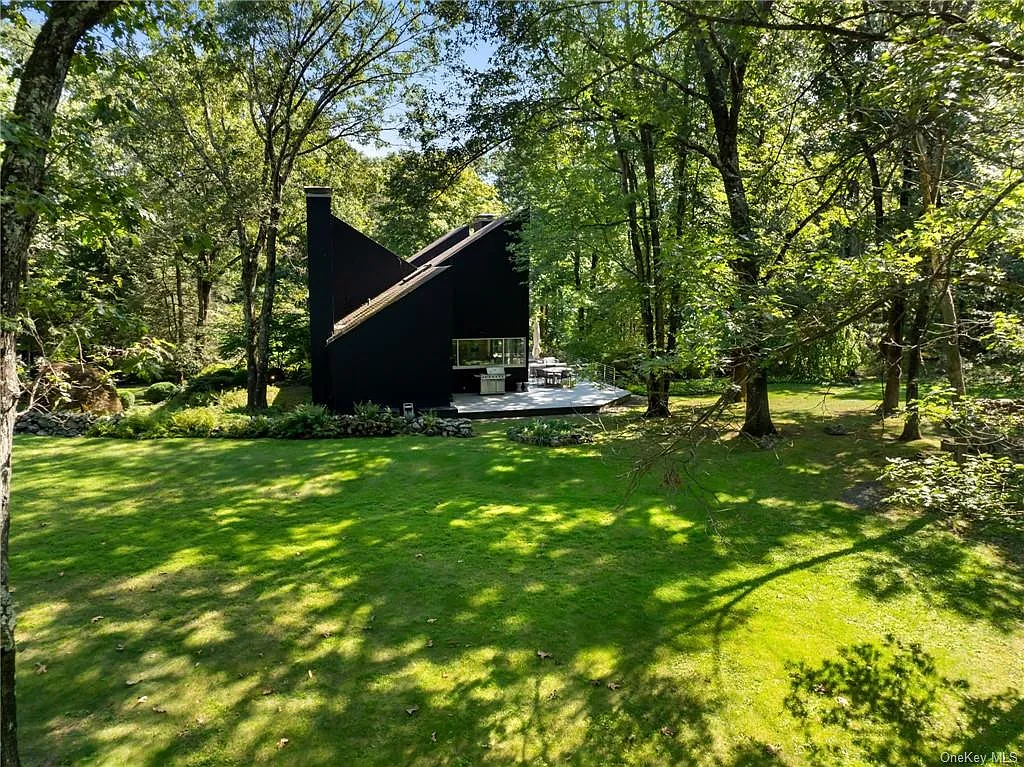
x,y
383,601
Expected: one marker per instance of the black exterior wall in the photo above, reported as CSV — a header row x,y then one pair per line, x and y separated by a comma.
x,y
321,303
362,268
491,299
399,355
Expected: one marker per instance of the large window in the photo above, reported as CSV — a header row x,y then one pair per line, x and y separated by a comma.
x,y
488,352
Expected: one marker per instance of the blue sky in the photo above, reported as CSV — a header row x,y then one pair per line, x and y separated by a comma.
x,y
477,55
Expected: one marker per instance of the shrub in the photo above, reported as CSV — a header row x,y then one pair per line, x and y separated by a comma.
x,y
258,426
431,423
193,422
980,487
135,425
305,422
370,411
160,391
372,420
127,399
550,433
216,380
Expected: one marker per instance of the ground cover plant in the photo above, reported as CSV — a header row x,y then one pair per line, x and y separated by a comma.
x,y
461,602
552,432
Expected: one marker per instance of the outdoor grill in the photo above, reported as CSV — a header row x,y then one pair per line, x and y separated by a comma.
x,y
493,381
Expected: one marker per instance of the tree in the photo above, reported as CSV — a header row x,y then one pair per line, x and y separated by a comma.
x,y
21,182
422,199
281,81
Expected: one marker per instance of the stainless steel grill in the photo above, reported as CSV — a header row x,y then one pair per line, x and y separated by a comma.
x,y
493,381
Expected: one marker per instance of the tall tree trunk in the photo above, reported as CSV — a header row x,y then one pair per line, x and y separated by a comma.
x,y
577,276
758,421
642,267
179,292
930,168
21,180
950,329
250,265
892,350
723,77
204,290
658,386
259,401
892,339
912,425
8,649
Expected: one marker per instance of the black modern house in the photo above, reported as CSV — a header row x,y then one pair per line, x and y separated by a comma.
x,y
452,318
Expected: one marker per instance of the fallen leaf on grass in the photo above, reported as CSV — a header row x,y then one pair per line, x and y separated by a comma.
x,y
413,710
96,619
282,743
667,731
430,643
542,654
142,699
132,682
40,668
614,686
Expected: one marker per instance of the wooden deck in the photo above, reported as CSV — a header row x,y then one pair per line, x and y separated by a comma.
x,y
584,397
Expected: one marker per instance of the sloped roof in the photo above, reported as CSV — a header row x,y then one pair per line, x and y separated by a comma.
x,y
438,246
395,292
423,274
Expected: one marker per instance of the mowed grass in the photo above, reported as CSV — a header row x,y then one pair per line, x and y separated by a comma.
x,y
383,601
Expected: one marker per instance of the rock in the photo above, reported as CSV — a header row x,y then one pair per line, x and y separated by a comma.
x,y
77,386
54,424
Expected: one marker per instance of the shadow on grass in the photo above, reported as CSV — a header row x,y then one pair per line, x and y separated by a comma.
x,y
386,600
887,697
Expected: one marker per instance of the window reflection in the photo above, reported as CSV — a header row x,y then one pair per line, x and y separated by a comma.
x,y
489,352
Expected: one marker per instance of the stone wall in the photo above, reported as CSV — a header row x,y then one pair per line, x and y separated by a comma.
x,y
53,424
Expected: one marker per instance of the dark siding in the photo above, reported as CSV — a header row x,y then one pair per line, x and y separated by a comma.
x,y
361,268
401,354
492,299
321,303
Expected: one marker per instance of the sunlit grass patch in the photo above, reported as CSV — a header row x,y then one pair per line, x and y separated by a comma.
x,y
426,602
